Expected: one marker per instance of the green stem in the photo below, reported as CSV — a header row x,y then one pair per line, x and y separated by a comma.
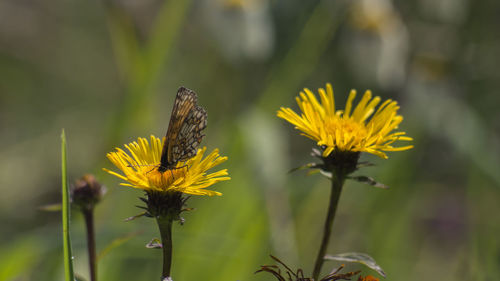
x,y
89,224
337,183
68,255
165,226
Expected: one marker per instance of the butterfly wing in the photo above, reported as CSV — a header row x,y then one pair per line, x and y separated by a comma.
x,y
190,135
184,129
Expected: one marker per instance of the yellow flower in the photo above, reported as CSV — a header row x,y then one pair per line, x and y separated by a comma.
x,y
361,129
139,168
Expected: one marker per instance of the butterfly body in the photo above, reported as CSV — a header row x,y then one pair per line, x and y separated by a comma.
x,y
184,133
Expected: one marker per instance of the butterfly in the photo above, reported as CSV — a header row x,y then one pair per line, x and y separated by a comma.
x,y
184,130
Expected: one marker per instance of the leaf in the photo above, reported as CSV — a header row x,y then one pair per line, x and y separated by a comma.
x,y
117,243
359,258
327,174
142,207
136,216
364,164
316,153
306,166
68,255
56,207
368,180
155,243
20,257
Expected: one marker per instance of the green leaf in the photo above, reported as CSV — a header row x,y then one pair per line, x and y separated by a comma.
x,y
155,243
306,166
364,164
314,168
136,216
68,255
327,174
20,257
116,243
368,180
359,258
56,207
164,32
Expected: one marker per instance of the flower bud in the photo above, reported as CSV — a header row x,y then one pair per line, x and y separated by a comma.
x,y
87,192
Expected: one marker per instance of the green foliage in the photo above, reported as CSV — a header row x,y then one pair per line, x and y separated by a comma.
x,y
357,258
108,74
22,253
66,215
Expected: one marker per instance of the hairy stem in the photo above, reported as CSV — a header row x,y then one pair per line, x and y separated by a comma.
x,y
89,224
165,226
337,183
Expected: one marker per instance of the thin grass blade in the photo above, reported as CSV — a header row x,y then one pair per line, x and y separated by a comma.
x,y
68,255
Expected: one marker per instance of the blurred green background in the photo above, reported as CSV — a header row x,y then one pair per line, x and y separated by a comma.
x,y
107,72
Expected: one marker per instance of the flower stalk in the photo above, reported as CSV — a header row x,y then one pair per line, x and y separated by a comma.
x,y
88,215
337,184
165,226
342,136
166,191
166,208
86,193
360,128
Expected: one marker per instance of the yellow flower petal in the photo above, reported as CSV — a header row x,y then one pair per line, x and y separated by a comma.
x,y
139,169
360,128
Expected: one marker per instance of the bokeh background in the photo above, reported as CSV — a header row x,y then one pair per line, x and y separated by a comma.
x,y
108,71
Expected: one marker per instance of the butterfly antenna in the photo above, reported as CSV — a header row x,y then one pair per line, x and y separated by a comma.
x,y
144,165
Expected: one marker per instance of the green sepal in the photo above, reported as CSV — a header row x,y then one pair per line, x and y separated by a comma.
x,y
364,164
136,216
358,258
155,243
306,166
369,181
326,174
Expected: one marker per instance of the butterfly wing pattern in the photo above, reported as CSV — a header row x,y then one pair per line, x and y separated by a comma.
x,y
184,130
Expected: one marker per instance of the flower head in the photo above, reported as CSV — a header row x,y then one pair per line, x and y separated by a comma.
x,y
355,129
139,168
87,192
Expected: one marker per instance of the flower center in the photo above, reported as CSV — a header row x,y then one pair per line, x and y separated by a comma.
x,y
346,127
168,179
